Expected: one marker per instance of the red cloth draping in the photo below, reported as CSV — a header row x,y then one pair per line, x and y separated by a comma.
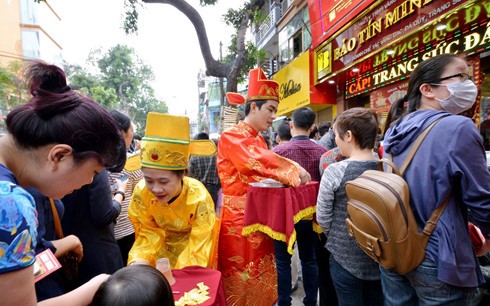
x,y
274,211
187,279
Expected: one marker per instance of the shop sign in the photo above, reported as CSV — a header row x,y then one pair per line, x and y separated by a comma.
x,y
294,84
382,98
368,82
329,16
466,31
385,24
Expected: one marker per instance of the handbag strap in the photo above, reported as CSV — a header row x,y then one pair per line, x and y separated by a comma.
x,y
56,219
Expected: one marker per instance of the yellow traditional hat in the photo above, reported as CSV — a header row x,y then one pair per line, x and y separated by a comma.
x,y
259,88
133,162
167,143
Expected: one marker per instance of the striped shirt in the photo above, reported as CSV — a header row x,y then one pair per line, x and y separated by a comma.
x,y
123,226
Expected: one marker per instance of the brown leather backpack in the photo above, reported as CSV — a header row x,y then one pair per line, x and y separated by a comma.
x,y
381,219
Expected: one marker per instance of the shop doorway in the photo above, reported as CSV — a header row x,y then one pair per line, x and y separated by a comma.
x,y
485,101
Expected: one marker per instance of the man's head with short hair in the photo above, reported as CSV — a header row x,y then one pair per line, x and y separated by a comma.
x,y
284,131
303,118
323,128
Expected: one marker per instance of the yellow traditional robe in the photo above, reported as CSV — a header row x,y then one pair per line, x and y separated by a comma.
x,y
181,231
247,263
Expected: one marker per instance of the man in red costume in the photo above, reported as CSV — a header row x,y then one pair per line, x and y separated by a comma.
x,y
248,263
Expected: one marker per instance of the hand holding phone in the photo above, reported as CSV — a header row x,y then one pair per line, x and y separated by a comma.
x,y
120,183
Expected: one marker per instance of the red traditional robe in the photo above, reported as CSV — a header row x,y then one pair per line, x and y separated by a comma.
x,y
247,263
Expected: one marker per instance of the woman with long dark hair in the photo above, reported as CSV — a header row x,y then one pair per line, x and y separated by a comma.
x,y
449,166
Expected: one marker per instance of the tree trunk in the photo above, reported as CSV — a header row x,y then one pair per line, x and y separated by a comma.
x,y
213,67
230,71
121,95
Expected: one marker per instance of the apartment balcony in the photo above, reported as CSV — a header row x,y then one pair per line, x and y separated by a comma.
x,y
266,33
270,66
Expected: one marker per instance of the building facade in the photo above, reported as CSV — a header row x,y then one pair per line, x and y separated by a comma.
x,y
369,58
30,30
286,37
361,52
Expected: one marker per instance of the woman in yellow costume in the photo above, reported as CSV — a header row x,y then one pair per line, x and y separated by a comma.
x,y
172,214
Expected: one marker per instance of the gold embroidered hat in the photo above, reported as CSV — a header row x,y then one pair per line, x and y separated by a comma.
x,y
133,162
167,143
259,88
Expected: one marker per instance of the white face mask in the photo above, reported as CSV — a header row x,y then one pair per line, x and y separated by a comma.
x,y
462,96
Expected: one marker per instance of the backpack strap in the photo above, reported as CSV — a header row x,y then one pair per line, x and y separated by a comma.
x,y
389,165
430,225
416,146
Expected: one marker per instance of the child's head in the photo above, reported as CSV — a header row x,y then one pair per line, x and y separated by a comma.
x,y
135,285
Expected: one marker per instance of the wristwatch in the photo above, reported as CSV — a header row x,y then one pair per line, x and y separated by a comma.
x,y
121,193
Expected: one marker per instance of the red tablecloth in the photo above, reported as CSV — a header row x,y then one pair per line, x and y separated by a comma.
x,y
274,211
187,279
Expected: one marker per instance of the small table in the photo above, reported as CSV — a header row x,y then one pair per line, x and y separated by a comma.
x,y
187,279
275,211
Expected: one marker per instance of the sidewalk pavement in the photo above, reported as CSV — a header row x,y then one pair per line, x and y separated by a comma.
x,y
298,294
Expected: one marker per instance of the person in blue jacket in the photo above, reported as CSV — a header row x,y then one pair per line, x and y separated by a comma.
x,y
450,164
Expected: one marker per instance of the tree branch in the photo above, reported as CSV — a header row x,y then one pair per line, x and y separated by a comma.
x,y
241,57
213,67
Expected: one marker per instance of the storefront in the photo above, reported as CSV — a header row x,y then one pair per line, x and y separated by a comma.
x,y
296,89
369,60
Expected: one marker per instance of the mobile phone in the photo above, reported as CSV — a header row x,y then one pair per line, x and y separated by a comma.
x,y
475,238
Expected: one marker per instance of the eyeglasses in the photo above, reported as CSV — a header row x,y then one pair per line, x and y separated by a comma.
x,y
462,77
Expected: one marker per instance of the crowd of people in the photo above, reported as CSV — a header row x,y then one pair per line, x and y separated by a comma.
x,y
76,180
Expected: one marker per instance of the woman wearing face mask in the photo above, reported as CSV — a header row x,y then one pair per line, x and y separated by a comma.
x,y
172,214
449,164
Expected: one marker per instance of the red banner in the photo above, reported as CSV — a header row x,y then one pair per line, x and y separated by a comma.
x,y
388,23
329,16
466,30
